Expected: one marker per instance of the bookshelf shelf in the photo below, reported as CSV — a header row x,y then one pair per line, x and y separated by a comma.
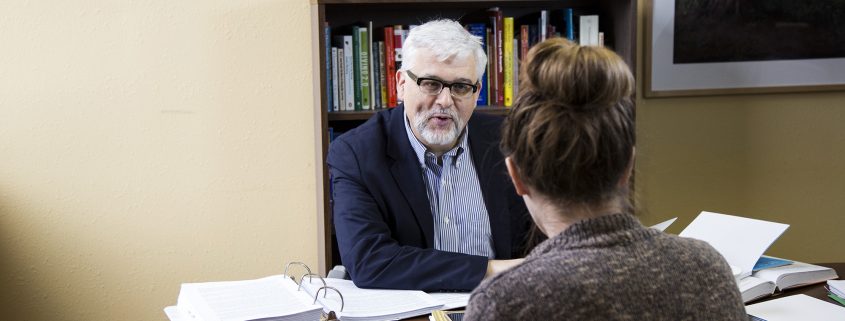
x,y
363,115
618,21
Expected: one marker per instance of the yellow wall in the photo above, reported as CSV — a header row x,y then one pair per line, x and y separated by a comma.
x,y
149,143
145,144
778,157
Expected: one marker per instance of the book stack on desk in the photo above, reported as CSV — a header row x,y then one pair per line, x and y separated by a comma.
x,y
836,290
742,241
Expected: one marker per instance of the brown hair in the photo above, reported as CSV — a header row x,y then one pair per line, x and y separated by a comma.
x,y
570,132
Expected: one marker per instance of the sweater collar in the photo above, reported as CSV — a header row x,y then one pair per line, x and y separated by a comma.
x,y
602,231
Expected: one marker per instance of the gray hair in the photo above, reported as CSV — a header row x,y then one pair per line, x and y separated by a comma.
x,y
447,39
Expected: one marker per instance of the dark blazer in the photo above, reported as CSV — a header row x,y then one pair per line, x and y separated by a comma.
x,y
382,218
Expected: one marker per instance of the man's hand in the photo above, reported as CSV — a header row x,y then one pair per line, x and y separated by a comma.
x,y
498,266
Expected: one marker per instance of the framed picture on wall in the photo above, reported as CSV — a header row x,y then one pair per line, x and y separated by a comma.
x,y
712,47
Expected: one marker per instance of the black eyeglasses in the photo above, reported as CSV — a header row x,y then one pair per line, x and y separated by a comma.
x,y
431,86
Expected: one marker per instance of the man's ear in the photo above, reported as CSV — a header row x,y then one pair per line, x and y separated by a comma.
x,y
400,85
514,174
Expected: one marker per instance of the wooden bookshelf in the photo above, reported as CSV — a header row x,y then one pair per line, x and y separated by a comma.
x,y
617,19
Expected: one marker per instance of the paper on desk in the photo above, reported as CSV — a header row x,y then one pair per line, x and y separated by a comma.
x,y
174,314
837,287
451,300
663,225
740,240
797,307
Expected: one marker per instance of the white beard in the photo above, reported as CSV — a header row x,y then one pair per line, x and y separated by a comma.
x,y
439,137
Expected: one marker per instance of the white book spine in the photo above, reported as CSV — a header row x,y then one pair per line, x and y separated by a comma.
x,y
341,80
348,73
589,30
335,96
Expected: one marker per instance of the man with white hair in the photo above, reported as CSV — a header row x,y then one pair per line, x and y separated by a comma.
x,y
421,194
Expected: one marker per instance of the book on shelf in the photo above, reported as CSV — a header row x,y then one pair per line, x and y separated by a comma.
x,y
279,297
588,30
382,77
568,17
364,68
330,96
335,97
508,59
376,82
390,65
515,73
480,30
497,82
543,25
373,66
348,73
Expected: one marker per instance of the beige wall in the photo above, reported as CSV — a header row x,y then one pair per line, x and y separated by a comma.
x,y
149,143
778,157
145,144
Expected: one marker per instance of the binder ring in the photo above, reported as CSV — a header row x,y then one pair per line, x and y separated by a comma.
x,y
310,278
296,263
324,295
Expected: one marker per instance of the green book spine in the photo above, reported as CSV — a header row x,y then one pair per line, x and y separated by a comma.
x,y
356,63
364,66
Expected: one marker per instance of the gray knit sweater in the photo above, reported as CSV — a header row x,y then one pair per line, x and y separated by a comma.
x,y
612,268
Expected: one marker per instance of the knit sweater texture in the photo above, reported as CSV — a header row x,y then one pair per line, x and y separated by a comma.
x,y
612,268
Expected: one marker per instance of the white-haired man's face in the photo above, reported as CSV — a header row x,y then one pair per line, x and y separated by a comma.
x,y
437,120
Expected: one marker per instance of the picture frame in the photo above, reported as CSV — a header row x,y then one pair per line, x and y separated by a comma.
x,y
664,77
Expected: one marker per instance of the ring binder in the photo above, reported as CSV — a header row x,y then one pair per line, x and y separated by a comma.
x,y
316,294
311,277
296,263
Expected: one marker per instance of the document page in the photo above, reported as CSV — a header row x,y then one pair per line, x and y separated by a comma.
x,y
359,302
451,300
740,240
245,300
797,307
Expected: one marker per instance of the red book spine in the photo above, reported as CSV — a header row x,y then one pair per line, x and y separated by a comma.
x,y
390,66
500,72
495,55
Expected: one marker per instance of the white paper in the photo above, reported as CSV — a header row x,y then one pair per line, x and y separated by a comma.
x,y
797,307
368,303
665,224
451,300
740,240
272,296
837,287
174,314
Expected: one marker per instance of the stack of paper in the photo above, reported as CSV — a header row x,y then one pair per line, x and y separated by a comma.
x,y
370,304
279,298
796,307
837,290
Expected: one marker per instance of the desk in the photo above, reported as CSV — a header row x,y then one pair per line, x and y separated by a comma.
x,y
816,290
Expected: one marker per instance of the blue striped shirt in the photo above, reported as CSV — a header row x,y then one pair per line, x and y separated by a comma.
x,y
461,223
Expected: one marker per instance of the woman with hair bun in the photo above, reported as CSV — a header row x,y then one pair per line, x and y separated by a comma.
x,y
569,142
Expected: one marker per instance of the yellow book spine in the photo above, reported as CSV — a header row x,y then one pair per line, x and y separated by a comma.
x,y
507,27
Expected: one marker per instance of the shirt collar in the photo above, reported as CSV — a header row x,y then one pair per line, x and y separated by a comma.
x,y
420,150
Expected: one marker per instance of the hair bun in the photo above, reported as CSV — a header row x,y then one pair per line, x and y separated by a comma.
x,y
580,79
